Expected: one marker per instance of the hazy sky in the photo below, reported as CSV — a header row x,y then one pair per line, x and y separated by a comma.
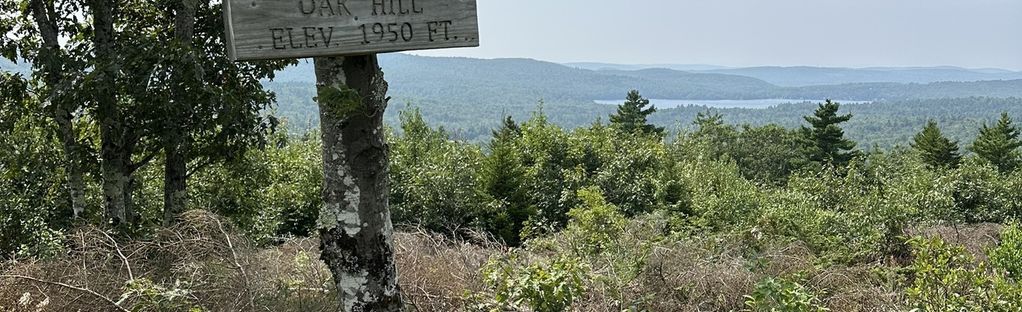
x,y
856,33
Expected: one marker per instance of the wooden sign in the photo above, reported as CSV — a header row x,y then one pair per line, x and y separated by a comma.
x,y
274,29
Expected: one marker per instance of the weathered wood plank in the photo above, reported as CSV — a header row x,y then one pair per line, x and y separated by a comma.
x,y
272,29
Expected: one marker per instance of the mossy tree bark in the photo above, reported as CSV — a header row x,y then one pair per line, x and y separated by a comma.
x,y
354,225
115,150
45,16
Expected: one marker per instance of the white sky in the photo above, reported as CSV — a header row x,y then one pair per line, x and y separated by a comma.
x,y
849,33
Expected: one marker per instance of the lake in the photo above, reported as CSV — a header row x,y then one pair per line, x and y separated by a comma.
x,y
760,104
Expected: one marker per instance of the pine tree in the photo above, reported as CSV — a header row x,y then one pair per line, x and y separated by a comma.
x,y
831,145
999,144
502,175
937,150
508,129
631,115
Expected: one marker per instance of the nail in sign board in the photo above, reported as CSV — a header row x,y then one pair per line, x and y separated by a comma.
x,y
275,29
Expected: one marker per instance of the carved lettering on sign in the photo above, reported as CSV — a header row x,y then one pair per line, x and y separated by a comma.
x,y
267,29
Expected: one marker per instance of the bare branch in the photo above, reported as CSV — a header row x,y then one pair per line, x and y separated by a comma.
x,y
127,265
85,290
234,255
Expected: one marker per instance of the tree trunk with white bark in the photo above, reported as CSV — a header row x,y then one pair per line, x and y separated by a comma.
x,y
354,224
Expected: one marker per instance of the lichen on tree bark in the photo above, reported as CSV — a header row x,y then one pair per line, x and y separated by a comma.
x,y
354,224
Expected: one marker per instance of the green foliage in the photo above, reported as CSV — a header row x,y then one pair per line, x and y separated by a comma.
x,y
946,278
982,194
999,144
544,151
269,193
937,150
436,180
831,145
594,223
719,138
1007,256
767,154
631,115
721,198
503,177
837,212
770,154
635,172
545,286
33,208
781,295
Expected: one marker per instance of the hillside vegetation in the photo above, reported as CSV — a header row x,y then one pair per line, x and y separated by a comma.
x,y
518,206
543,218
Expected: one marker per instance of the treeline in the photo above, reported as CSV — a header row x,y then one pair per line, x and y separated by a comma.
x,y
524,182
116,88
884,124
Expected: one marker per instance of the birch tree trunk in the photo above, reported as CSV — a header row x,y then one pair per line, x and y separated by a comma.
x,y
45,18
354,223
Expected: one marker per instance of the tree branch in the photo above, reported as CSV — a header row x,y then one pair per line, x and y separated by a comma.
x,y
200,166
145,160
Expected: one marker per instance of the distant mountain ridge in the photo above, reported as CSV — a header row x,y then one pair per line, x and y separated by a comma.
x,y
610,66
496,81
801,76
809,76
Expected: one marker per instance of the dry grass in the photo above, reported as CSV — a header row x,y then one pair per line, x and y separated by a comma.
x,y
976,238
200,262
435,272
217,270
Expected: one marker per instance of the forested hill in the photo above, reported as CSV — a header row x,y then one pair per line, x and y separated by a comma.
x,y
497,81
469,96
501,80
799,76
807,76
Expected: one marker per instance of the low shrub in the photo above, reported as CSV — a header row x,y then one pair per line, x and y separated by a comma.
x,y
947,278
781,295
595,223
1007,256
544,286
